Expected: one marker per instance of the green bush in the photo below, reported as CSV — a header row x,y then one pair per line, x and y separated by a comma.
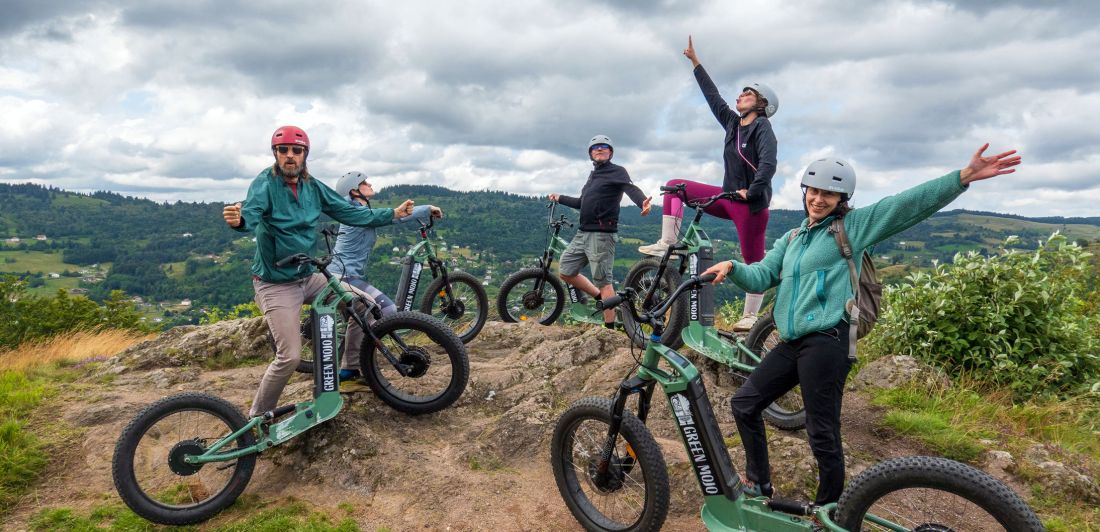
x,y
25,316
243,310
1017,318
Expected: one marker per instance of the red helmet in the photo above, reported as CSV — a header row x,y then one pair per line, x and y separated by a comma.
x,y
289,135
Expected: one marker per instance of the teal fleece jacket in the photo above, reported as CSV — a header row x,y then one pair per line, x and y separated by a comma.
x,y
285,224
812,275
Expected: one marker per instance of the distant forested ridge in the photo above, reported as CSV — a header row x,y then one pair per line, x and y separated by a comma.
x,y
165,251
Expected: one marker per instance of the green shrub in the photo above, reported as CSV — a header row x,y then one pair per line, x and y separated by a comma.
x,y
1018,319
243,310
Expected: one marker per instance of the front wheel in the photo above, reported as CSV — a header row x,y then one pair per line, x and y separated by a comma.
x,y
631,492
932,494
464,310
436,365
149,467
641,278
522,299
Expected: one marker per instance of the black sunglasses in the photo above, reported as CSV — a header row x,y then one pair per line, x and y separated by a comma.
x,y
298,150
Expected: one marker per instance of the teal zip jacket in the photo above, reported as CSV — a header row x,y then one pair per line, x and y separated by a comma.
x,y
285,225
813,279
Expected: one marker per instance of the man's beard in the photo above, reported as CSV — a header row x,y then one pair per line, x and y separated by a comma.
x,y
291,172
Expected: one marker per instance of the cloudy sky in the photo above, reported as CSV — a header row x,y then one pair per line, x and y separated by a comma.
x,y
177,100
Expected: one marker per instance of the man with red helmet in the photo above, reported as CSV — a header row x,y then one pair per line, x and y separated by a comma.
x,y
283,209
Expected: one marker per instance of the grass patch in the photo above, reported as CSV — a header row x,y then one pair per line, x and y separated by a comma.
x,y
955,420
292,516
28,375
34,261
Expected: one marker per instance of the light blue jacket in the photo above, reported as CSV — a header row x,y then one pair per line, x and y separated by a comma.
x,y
351,254
812,275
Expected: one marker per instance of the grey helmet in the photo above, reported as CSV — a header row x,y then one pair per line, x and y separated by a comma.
x,y
349,182
768,94
600,139
831,174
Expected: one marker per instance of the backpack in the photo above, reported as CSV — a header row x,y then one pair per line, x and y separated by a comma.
x,y
864,306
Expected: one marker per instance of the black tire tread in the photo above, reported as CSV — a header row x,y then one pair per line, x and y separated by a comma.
x,y
441,335
523,275
645,448
428,301
122,460
678,318
937,473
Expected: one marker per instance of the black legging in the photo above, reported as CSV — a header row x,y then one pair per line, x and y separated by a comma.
x,y
819,363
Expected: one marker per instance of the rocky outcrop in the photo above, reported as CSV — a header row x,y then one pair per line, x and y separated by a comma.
x,y
228,343
893,371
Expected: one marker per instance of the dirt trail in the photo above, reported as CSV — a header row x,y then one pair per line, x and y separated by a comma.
x,y
480,465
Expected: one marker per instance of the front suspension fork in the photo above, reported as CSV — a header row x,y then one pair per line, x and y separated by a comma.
x,y
634,385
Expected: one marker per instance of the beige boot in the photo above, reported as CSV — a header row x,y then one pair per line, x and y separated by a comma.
x,y
752,308
670,230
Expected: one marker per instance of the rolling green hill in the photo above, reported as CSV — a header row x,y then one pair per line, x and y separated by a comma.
x,y
166,252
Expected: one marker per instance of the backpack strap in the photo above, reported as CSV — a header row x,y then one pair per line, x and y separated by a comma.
x,y
837,229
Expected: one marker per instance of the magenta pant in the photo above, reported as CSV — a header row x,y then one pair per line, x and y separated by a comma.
x,y
750,226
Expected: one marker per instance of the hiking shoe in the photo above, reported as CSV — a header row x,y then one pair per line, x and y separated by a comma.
x,y
353,386
757,490
657,249
348,374
745,323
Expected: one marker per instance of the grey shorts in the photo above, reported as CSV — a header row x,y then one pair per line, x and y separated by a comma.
x,y
597,249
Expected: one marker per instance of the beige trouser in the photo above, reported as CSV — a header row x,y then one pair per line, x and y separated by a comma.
x,y
281,304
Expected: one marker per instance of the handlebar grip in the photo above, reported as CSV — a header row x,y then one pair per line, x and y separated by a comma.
x,y
707,277
673,188
610,302
286,260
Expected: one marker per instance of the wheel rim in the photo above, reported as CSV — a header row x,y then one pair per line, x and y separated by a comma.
x,y
619,502
431,370
524,303
159,470
461,313
930,510
644,282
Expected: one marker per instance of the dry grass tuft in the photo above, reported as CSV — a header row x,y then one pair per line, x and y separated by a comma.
x,y
73,347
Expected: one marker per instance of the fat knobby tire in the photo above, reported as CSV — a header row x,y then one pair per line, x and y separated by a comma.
x,y
942,474
122,464
552,284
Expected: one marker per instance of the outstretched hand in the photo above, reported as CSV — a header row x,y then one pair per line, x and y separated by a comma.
x,y
646,205
689,53
405,209
232,214
987,167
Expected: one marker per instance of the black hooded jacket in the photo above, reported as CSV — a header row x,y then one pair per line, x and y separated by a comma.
x,y
600,198
758,147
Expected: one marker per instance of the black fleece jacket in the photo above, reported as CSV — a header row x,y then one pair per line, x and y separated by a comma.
x,y
758,146
600,198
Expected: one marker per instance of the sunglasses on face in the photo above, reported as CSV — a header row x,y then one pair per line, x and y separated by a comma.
x,y
601,147
298,150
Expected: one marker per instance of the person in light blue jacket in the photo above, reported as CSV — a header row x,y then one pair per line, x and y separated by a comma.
x,y
810,313
351,254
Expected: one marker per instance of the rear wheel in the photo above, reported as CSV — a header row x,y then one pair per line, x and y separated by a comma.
x,y
787,412
437,367
520,301
464,310
932,494
641,278
633,493
149,466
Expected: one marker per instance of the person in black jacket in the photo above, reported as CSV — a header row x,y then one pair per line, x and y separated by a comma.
x,y
594,243
749,158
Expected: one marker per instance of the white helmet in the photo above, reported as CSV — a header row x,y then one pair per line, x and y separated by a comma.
x,y
600,139
350,181
831,174
768,94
